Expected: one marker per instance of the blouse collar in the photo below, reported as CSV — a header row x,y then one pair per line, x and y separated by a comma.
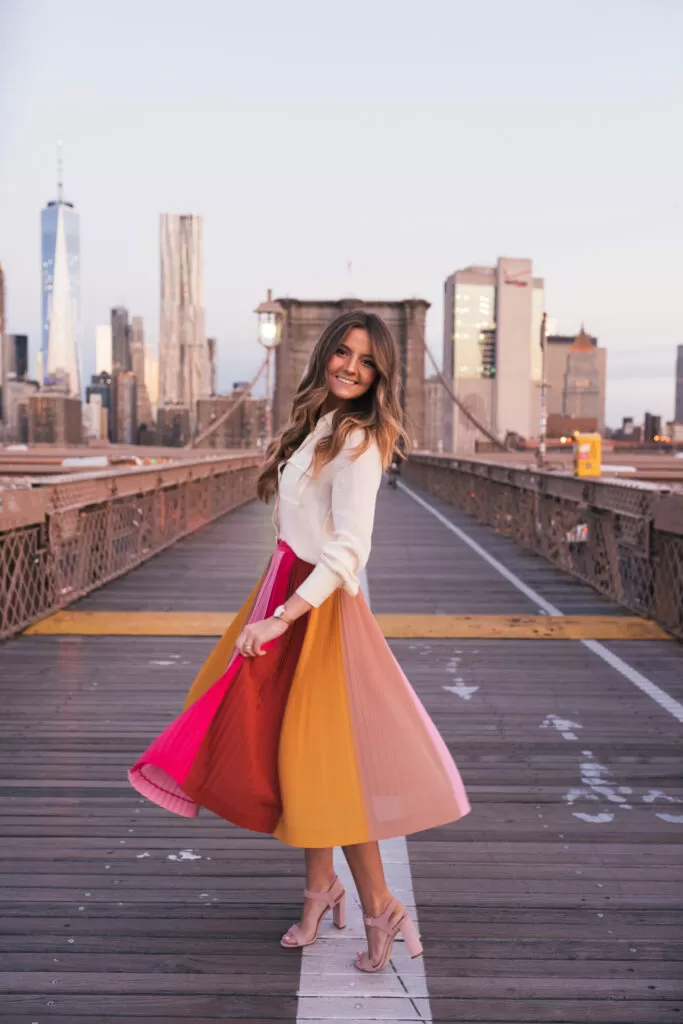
x,y
327,418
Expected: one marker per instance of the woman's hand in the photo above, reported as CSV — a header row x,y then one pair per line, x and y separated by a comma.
x,y
256,634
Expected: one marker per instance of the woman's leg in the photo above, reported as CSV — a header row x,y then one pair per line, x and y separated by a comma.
x,y
320,875
365,862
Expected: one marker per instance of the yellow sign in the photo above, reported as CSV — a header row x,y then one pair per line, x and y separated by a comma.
x,y
587,454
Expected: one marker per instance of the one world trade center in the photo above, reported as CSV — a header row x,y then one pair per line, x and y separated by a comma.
x,y
61,287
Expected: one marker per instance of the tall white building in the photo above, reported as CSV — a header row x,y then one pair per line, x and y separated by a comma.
x,y
492,351
183,355
152,377
103,363
61,292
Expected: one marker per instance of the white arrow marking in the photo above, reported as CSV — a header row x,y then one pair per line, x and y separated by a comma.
x,y
462,691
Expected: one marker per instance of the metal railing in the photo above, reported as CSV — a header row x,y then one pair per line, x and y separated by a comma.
x,y
623,538
67,535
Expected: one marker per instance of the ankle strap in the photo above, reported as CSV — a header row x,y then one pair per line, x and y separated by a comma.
x,y
330,897
382,922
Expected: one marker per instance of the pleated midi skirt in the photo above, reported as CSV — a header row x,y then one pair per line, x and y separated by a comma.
x,y
321,741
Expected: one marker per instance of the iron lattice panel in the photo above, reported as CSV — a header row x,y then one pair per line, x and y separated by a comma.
x,y
80,544
601,532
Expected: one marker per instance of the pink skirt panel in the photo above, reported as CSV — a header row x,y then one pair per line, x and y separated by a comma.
x,y
160,772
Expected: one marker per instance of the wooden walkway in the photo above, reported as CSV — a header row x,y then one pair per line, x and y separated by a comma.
x,y
557,899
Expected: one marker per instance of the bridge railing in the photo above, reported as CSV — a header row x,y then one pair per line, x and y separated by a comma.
x,y
624,538
67,535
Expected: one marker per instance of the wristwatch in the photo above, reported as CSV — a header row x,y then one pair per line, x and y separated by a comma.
x,y
279,613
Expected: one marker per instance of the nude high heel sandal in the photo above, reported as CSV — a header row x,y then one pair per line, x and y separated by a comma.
x,y
334,900
407,929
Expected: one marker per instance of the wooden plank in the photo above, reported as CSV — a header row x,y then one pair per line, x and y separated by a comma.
x,y
394,626
118,1005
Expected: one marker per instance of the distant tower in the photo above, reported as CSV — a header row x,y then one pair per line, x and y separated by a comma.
x,y
2,301
137,361
183,352
583,385
678,413
103,349
61,283
120,339
211,346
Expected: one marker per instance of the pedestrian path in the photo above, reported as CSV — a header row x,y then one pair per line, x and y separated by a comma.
x,y
557,898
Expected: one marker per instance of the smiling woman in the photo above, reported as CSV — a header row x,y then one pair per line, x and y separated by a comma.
x,y
301,723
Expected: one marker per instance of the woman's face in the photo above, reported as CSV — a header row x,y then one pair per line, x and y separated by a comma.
x,y
351,369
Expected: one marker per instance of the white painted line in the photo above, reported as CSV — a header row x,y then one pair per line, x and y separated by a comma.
x,y
330,987
544,605
656,693
650,689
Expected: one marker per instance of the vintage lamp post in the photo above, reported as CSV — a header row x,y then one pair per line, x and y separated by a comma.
x,y
270,319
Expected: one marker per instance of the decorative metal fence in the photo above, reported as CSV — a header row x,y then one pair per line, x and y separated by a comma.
x,y
622,537
68,535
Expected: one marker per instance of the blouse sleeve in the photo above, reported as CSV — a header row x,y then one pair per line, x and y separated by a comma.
x,y
354,493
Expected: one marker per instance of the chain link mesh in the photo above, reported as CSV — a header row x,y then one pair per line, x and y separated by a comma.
x,y
82,543
604,533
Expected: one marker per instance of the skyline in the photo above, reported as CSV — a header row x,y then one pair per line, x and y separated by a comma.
x,y
545,139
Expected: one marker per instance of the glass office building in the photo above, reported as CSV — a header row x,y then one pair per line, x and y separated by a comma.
x,y
61,288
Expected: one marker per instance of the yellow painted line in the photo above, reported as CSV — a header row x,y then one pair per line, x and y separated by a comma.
x,y
451,627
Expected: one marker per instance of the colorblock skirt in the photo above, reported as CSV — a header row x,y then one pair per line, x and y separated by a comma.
x,y
321,741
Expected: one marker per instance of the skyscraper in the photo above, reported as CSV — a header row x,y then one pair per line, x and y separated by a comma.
x,y
183,352
678,415
61,286
103,349
576,373
152,377
2,301
120,339
492,352
137,361
211,346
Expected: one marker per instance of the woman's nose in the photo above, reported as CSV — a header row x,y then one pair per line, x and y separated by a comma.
x,y
352,364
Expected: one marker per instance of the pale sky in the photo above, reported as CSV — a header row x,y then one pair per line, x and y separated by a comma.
x,y
408,138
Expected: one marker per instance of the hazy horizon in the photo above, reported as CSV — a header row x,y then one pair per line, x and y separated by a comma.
x,y
409,144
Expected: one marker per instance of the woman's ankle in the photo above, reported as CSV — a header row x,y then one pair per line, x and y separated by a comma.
x,y
320,881
377,903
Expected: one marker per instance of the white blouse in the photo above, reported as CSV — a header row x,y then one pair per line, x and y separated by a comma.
x,y
327,519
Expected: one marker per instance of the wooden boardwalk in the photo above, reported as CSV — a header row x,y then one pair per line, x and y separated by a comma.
x,y
557,899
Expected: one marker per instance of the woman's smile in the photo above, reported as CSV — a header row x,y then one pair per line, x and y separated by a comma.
x,y
351,370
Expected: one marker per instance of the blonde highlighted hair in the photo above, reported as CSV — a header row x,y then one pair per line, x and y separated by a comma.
x,y
377,413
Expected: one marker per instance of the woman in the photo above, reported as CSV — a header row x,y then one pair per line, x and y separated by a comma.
x,y
301,722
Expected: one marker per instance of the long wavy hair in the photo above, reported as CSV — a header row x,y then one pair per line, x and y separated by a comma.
x,y
377,412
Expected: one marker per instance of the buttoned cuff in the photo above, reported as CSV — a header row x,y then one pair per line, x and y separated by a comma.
x,y
322,582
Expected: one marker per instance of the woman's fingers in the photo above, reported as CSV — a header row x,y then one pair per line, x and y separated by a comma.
x,y
244,645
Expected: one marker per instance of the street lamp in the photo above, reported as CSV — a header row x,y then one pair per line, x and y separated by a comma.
x,y
270,319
